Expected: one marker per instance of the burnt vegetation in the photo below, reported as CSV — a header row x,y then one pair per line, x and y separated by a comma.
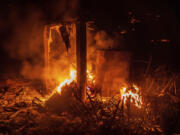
x,y
25,111
146,33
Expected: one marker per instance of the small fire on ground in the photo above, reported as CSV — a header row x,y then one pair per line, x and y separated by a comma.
x,y
72,77
131,94
67,81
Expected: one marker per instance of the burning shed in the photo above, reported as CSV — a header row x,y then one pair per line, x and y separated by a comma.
x,y
87,69
65,54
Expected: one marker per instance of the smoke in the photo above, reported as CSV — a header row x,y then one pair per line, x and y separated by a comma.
x,y
26,45
61,61
108,62
66,10
101,40
25,40
25,37
107,41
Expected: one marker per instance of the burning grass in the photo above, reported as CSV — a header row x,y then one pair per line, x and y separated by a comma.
x,y
25,111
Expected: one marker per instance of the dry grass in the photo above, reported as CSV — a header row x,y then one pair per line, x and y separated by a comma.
x,y
23,110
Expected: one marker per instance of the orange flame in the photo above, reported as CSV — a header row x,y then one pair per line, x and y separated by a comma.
x,y
67,81
135,97
90,77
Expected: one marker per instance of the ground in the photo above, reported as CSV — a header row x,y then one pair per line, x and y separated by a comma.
x,y
24,110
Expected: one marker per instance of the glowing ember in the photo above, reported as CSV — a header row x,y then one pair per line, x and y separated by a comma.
x,y
133,94
67,81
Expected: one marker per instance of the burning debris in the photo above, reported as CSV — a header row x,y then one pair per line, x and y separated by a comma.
x,y
88,85
25,111
112,104
21,106
67,81
132,94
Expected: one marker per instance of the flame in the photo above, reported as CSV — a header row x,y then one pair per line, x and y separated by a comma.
x,y
132,94
90,77
72,77
67,81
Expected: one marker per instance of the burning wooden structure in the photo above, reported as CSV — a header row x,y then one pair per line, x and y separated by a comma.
x,y
72,104
51,53
112,65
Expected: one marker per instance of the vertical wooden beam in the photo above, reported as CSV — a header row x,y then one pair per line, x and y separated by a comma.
x,y
81,57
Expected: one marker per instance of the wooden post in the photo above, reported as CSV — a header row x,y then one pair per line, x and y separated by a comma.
x,y
81,57
46,53
129,109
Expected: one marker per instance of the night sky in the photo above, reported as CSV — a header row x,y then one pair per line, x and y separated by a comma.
x,y
154,32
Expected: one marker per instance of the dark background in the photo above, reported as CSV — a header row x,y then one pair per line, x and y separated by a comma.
x,y
154,20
